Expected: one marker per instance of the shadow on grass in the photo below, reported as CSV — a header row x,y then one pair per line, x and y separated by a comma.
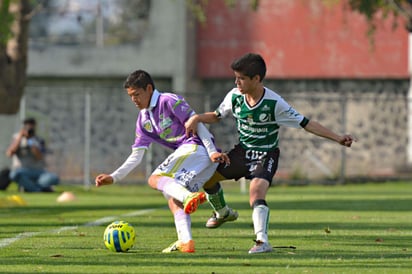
x,y
335,204
213,259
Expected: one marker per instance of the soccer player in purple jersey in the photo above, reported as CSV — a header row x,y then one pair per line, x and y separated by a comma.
x,y
161,119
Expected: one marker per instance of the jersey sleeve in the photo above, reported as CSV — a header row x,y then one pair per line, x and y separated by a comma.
x,y
288,116
207,138
226,106
134,159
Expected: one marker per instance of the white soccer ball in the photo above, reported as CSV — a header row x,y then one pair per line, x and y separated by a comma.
x,y
119,236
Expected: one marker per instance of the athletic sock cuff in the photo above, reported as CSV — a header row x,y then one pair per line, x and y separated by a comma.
x,y
259,202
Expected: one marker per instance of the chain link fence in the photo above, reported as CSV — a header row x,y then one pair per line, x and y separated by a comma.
x,y
90,129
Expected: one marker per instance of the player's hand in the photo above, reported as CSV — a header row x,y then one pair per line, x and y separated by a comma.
x,y
103,179
191,126
219,157
347,140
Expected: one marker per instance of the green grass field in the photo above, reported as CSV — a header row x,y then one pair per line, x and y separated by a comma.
x,y
363,228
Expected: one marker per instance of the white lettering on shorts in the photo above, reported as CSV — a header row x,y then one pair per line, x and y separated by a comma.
x,y
270,164
185,178
253,155
255,158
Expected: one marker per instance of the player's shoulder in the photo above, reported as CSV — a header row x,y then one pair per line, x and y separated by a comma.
x,y
170,97
235,91
271,94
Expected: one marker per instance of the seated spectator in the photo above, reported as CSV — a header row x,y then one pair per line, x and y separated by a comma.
x,y
28,168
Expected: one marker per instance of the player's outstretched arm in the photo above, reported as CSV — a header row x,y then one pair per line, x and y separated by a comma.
x,y
191,123
103,179
317,129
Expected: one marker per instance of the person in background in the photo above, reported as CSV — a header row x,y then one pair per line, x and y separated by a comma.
x,y
28,168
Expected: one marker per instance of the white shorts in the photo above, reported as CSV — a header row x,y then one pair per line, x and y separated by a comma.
x,y
189,165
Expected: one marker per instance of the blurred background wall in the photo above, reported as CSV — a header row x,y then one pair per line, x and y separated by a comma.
x,y
318,56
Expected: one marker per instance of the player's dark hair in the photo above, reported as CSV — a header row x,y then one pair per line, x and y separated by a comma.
x,y
250,64
138,79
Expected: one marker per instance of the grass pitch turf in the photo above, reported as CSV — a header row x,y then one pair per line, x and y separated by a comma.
x,y
363,228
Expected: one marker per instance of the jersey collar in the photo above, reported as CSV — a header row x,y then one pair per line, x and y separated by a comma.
x,y
154,99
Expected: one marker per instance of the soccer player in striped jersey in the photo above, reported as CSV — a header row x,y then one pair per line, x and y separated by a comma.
x,y
259,112
181,175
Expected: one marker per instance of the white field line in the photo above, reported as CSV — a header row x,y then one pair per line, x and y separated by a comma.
x,y
8,241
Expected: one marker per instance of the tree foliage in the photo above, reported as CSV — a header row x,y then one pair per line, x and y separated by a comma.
x,y
5,22
371,8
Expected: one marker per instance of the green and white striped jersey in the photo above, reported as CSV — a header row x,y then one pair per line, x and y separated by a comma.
x,y
258,126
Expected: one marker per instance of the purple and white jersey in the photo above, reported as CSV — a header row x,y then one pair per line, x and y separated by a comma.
x,y
163,122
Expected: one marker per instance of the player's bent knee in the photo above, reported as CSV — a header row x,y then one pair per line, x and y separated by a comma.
x,y
152,181
213,189
216,177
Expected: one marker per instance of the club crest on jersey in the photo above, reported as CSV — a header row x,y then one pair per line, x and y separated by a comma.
x,y
147,125
265,108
